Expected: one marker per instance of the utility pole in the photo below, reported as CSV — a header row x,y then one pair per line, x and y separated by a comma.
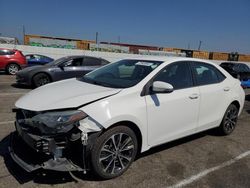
x,y
96,37
119,39
96,40
23,34
199,45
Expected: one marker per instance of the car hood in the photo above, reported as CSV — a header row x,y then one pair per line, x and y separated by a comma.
x,y
69,93
29,69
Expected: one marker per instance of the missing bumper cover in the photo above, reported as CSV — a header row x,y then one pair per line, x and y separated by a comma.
x,y
48,163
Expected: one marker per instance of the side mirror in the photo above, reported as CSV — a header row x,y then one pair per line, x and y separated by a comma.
x,y
61,66
162,87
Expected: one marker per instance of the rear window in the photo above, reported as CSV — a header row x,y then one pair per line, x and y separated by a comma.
x,y
89,61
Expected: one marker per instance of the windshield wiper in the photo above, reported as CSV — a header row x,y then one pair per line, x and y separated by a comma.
x,y
98,83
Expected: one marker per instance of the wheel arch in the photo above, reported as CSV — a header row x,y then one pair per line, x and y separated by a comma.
x,y
134,128
12,62
32,78
236,103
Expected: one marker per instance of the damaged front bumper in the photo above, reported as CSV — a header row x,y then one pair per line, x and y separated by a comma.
x,y
31,160
60,152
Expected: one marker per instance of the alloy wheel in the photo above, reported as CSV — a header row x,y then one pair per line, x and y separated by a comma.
x,y
230,120
116,153
43,80
13,69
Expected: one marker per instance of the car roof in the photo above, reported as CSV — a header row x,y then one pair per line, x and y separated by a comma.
x,y
231,63
82,56
166,59
37,54
8,49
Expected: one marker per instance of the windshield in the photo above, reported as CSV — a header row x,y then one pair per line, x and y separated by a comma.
x,y
58,61
122,74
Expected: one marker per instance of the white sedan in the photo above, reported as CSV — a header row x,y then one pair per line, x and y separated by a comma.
x,y
108,116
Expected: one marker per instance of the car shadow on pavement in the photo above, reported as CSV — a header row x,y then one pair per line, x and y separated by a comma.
x,y
40,176
19,86
172,144
247,97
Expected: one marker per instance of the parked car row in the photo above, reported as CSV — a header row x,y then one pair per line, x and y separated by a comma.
x,y
42,69
11,60
39,70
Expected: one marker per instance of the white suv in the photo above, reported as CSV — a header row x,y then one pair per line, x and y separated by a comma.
x,y
104,119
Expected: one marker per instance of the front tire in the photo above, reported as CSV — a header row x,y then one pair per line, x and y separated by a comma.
x,y
229,120
41,79
12,68
113,152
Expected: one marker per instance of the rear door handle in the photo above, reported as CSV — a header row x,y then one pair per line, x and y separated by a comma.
x,y
226,88
194,96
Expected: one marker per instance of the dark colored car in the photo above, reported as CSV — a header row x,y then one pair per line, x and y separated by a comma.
x,y
12,60
238,70
36,59
63,68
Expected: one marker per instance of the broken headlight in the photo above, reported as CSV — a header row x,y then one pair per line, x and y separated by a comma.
x,y
58,122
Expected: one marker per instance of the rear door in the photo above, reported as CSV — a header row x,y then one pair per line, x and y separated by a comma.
x,y
90,64
214,94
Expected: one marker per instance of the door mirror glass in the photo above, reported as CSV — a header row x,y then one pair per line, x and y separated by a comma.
x,y
162,87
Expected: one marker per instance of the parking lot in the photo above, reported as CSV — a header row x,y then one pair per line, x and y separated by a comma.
x,y
202,160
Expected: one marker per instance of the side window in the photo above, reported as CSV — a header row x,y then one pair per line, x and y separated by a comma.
x,y
104,62
27,57
10,52
74,62
236,68
245,68
6,52
178,74
88,61
206,74
37,56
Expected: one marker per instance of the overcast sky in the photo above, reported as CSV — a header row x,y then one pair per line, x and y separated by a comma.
x,y
221,25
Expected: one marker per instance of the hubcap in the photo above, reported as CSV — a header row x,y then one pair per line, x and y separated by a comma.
x,y
116,153
231,119
13,69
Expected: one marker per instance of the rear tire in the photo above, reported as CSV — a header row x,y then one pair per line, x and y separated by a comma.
x,y
229,120
113,152
12,68
41,79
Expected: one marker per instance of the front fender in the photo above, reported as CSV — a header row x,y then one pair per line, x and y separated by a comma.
x,y
118,108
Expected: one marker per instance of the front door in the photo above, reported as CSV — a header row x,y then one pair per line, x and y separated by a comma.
x,y
72,69
173,115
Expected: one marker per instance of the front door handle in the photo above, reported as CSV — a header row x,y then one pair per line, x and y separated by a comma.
x,y
226,88
194,96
